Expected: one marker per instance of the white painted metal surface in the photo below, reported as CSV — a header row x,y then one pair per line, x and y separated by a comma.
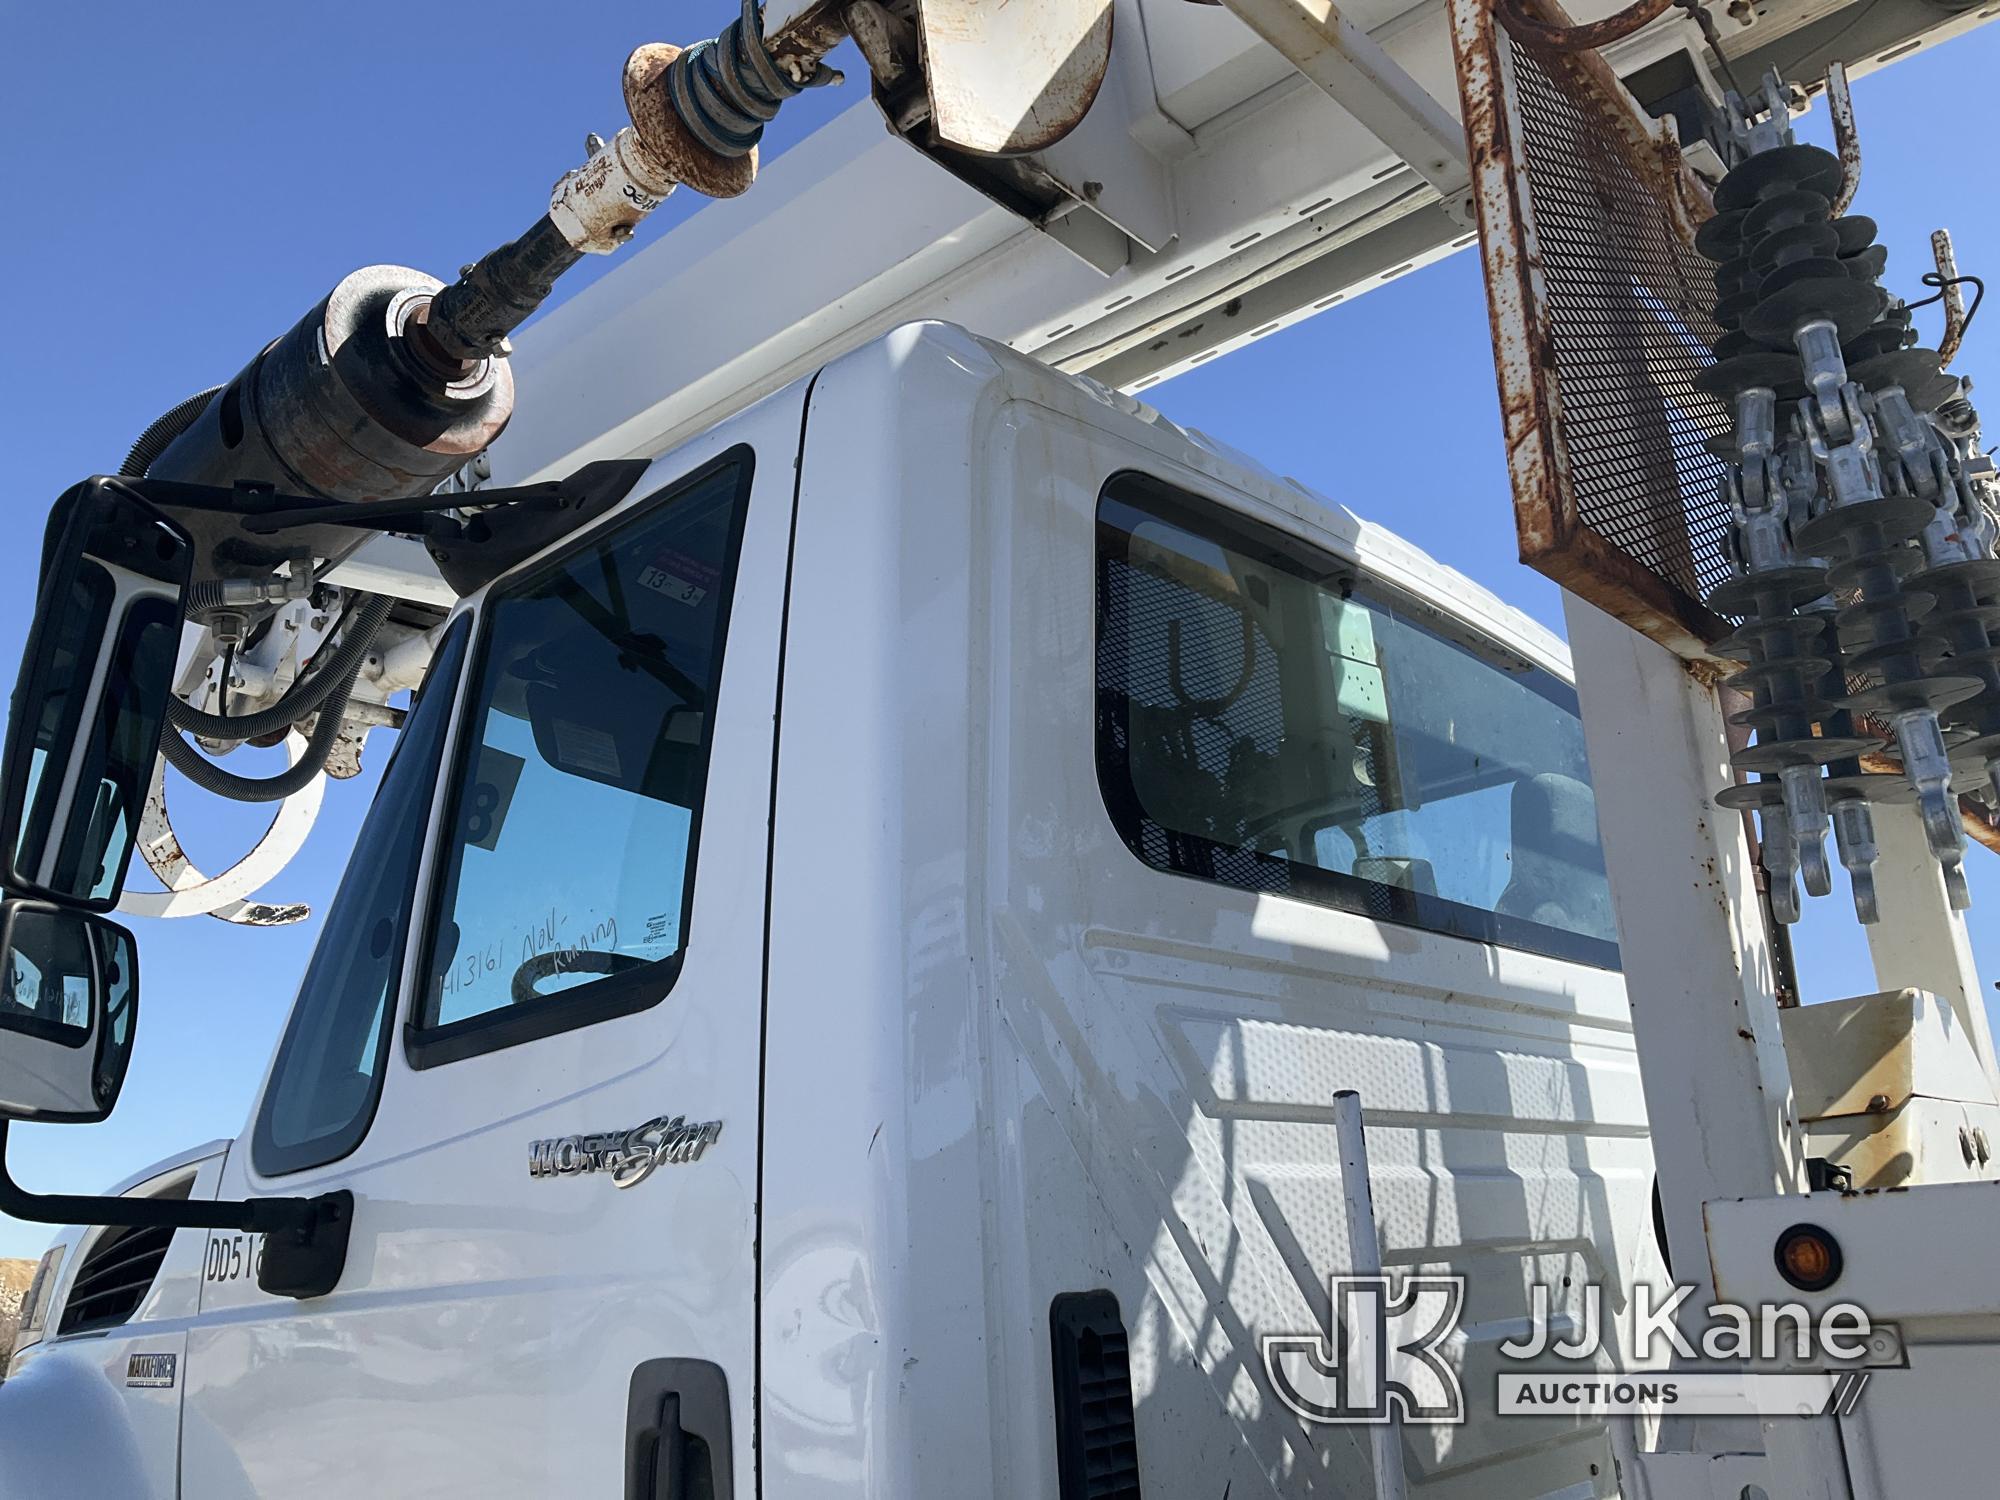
x,y
489,1323
75,1427
188,892
1007,1060
1262,171
1920,942
1353,68
1001,1058
1698,963
1364,1258
397,566
1702,988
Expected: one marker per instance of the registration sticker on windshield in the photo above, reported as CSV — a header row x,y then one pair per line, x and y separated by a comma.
x,y
680,577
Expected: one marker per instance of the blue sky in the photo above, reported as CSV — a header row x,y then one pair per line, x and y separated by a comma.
x,y
186,182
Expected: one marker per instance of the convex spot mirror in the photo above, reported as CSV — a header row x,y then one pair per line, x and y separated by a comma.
x,y
84,726
69,1001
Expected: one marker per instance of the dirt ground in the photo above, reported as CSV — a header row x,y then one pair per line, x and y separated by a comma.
x,y
14,1278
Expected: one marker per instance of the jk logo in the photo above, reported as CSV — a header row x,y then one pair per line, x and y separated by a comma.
x,y
1380,1354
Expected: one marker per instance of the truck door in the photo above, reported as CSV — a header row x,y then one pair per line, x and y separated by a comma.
x,y
530,1043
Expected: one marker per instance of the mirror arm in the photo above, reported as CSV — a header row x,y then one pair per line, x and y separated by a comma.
x,y
593,485
469,552
305,1246
396,515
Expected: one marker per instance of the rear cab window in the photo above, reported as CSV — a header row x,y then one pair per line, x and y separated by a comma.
x,y
1271,719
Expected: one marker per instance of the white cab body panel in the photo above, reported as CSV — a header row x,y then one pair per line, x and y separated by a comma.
x,y
1007,1060
84,1420
483,1337
974,1055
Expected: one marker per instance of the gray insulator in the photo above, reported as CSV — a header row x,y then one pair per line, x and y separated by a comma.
x,y
1854,834
1781,863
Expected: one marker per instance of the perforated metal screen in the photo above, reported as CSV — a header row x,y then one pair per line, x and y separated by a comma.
x,y
1602,318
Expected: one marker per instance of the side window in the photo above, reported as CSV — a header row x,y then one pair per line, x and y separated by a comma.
x,y
328,1075
567,862
1268,720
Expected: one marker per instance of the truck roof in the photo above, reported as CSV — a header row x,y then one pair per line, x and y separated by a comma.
x,y
587,394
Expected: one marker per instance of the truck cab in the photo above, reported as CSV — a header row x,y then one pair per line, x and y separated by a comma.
x,y
843,986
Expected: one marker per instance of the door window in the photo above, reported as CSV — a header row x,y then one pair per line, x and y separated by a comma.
x,y
328,1075
567,862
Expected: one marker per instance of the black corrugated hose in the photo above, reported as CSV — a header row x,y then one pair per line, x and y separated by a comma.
x,y
170,425
356,636
327,689
338,676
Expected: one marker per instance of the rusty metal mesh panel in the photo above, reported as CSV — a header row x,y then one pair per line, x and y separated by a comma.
x,y
1629,312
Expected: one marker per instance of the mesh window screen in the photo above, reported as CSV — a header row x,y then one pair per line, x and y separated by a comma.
x,y
1193,758
1602,318
1269,721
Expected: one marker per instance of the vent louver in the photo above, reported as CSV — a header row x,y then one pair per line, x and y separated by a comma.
x,y
114,1278
1097,1438
117,1272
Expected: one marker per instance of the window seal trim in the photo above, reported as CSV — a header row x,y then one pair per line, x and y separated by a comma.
x,y
1204,515
614,995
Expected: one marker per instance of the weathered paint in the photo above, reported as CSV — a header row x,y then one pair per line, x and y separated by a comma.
x,y
1553,540
1007,80
1840,107
666,140
1570,36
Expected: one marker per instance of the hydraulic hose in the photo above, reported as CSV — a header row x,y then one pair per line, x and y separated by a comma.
x,y
166,427
327,689
210,777
338,672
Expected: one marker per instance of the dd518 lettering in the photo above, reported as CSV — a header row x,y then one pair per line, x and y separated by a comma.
x,y
231,1257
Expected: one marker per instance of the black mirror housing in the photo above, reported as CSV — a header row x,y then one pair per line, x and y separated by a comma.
x,y
69,1007
84,726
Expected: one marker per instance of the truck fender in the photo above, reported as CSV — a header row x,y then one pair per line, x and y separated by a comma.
x,y
65,1435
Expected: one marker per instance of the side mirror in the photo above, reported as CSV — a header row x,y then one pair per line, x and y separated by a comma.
x,y
88,704
69,999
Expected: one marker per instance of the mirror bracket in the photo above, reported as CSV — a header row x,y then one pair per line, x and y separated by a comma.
x,y
305,1245
505,524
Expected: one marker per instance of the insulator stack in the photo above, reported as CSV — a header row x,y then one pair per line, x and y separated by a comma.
x,y
1962,576
1864,577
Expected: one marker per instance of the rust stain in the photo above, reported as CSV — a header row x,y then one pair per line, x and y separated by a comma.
x,y
660,130
1840,105
1565,35
1552,538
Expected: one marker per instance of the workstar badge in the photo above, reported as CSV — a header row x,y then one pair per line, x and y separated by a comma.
x,y
628,1155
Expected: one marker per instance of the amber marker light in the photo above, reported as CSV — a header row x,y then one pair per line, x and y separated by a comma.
x,y
1808,1257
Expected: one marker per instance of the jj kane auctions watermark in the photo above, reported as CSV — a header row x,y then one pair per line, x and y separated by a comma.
x,y
1393,1348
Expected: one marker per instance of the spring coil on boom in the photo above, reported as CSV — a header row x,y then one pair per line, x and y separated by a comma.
x,y
726,90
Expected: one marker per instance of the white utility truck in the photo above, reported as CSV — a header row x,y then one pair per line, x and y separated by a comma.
x,y
981,827
905,872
